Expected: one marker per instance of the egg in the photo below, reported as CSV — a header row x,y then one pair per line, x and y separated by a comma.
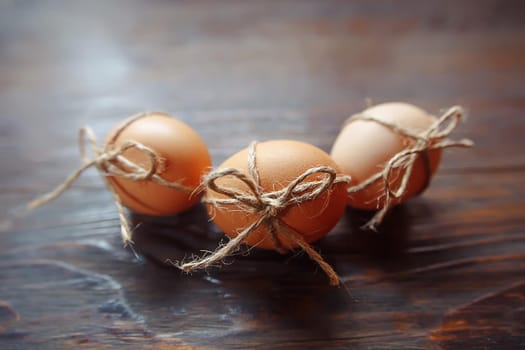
x,y
364,147
278,163
182,157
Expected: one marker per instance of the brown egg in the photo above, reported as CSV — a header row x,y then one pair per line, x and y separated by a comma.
x,y
363,148
184,159
278,163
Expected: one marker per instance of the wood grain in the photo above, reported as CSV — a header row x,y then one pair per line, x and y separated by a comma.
x,y
445,271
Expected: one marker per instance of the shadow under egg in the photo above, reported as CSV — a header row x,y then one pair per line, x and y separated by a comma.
x,y
388,241
162,239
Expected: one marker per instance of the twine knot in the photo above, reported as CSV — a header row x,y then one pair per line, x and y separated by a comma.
x,y
269,207
435,137
110,161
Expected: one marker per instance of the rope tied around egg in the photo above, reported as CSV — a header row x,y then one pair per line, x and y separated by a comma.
x,y
110,161
432,138
269,206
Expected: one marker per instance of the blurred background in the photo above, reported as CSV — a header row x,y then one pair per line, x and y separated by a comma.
x,y
278,62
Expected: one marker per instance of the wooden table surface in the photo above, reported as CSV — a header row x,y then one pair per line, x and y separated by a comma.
x,y
447,269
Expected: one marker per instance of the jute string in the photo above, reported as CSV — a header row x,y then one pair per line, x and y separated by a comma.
x,y
432,138
269,208
110,161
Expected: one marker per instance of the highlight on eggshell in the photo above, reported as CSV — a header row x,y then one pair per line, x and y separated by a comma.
x,y
278,163
182,158
363,148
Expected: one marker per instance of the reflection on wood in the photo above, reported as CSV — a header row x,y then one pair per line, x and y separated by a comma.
x,y
496,320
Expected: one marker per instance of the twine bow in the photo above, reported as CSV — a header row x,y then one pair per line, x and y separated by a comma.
x,y
269,206
111,162
432,138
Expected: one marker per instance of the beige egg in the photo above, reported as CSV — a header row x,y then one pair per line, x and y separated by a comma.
x,y
183,157
279,162
364,147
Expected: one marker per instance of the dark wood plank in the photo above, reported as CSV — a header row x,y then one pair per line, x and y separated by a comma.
x,y
467,326
239,71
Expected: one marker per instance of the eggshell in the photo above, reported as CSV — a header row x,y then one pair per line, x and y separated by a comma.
x,y
184,159
363,148
279,162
